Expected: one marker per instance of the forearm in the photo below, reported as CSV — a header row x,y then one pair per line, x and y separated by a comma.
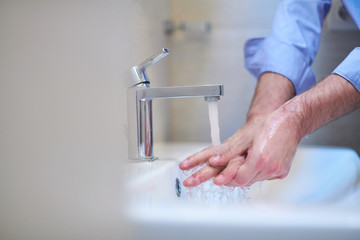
x,y
328,100
292,44
272,91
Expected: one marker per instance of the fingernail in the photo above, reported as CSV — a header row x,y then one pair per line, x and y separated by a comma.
x,y
188,182
214,160
185,163
219,179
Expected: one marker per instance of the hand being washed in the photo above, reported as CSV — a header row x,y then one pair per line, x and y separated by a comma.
x,y
241,159
262,149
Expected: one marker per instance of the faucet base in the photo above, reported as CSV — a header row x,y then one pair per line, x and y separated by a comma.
x,y
148,159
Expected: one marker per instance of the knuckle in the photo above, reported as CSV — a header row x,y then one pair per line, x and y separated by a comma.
x,y
228,151
237,161
275,169
270,167
240,181
284,173
263,162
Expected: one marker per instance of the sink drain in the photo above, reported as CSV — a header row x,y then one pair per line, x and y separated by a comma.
x,y
178,187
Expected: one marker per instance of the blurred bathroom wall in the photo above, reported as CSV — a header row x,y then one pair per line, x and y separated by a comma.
x,y
217,57
64,71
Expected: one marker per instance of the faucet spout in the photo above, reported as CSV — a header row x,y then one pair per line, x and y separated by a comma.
x,y
181,92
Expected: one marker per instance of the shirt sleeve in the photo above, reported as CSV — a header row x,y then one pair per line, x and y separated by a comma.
x,y
292,44
350,68
353,7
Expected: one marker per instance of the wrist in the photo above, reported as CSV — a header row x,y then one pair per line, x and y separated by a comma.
x,y
254,117
271,92
292,113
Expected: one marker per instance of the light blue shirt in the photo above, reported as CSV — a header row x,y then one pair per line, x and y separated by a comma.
x,y
294,40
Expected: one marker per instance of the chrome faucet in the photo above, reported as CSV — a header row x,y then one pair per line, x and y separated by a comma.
x,y
140,97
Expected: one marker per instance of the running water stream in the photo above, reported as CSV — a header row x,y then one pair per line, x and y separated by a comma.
x,y
214,123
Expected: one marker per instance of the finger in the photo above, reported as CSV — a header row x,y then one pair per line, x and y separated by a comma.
x,y
225,154
269,172
228,151
198,158
257,178
245,174
260,176
228,174
201,176
232,183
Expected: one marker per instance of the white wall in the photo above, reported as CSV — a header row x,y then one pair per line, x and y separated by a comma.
x,y
64,71
217,57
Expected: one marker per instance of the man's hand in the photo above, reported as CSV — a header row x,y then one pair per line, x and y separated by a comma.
x,y
271,92
262,149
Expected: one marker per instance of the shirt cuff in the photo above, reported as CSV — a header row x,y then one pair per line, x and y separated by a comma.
x,y
271,55
350,68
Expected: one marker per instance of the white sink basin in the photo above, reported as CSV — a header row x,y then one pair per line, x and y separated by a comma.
x,y
319,199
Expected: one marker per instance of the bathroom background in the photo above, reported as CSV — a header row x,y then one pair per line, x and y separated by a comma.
x,y
217,57
64,70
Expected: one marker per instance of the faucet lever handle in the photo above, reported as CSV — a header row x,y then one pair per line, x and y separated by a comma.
x,y
153,59
139,73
